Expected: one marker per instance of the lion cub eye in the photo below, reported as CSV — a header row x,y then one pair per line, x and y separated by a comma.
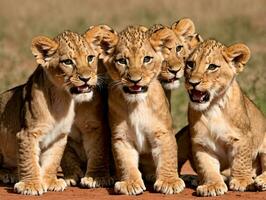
x,y
121,61
212,67
190,64
178,48
67,62
147,59
90,58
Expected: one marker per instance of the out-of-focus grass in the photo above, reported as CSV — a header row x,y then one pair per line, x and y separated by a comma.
x,y
229,21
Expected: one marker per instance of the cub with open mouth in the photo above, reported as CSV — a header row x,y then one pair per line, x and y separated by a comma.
x,y
186,39
227,130
139,115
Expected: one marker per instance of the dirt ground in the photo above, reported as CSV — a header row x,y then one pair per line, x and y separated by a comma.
x,y
6,193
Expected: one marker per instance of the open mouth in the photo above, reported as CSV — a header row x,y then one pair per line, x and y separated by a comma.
x,y
135,89
199,96
81,89
170,80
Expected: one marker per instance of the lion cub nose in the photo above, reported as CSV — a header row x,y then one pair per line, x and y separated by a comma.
x,y
134,79
84,79
194,83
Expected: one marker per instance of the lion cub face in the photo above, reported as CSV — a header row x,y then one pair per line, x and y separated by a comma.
x,y
186,39
70,61
136,59
210,70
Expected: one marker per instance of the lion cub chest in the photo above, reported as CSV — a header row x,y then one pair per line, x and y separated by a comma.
x,y
140,126
63,126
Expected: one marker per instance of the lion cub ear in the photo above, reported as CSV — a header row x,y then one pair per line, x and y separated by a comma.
x,y
43,48
186,28
103,39
163,40
238,55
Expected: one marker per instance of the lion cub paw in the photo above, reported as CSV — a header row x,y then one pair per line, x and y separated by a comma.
x,y
169,186
212,189
57,185
130,187
260,182
94,182
30,188
8,177
242,184
73,176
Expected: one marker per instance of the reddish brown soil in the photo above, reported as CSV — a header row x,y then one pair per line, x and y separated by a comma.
x,y
75,193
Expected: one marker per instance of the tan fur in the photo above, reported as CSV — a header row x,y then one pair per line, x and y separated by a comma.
x,y
141,123
228,130
186,39
36,117
88,142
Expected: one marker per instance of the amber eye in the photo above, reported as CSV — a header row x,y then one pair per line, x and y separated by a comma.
x,y
190,64
147,59
90,58
67,62
178,48
212,67
121,61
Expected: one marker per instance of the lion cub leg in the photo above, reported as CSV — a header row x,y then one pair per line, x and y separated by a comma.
x,y
30,180
208,169
241,170
260,181
126,159
50,161
96,150
165,155
71,165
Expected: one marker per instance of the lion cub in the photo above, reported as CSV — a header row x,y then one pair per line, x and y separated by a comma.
x,y
87,154
36,117
186,39
227,129
139,115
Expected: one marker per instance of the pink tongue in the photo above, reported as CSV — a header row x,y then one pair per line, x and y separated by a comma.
x,y
135,87
197,95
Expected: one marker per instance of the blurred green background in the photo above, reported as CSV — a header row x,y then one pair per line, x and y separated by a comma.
x,y
228,21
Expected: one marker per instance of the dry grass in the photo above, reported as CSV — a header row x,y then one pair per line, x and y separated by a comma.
x,y
229,21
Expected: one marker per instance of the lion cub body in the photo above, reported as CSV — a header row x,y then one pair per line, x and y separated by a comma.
x,y
36,117
226,128
139,115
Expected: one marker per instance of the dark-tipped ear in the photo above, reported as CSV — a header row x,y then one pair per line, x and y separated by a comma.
x,y
163,40
103,38
184,27
238,55
43,48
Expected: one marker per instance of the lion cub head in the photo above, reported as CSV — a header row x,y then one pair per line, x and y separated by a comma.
x,y
186,39
136,59
70,60
211,69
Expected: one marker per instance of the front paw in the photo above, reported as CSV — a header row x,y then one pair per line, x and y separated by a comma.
x,y
94,182
30,188
72,177
130,187
54,184
212,189
242,184
260,182
169,185
8,177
